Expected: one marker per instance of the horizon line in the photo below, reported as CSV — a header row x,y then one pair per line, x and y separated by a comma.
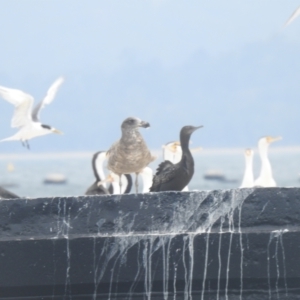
x,y
85,154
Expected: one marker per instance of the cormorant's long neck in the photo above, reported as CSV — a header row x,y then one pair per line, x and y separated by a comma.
x,y
184,142
97,164
248,176
129,184
266,169
249,168
187,158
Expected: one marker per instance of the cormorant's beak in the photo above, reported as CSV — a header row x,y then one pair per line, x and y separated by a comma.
x,y
57,131
197,127
271,139
144,124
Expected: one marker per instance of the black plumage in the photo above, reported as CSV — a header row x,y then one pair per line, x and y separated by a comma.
x,y
174,177
94,189
5,194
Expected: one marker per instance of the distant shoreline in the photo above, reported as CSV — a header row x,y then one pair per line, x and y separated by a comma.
x,y
156,152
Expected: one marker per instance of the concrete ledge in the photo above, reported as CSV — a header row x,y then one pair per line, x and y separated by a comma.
x,y
232,244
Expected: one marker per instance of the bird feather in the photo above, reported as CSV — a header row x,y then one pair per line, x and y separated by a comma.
x,y
48,98
22,102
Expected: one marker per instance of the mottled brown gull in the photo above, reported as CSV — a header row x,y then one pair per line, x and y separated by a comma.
x,y
130,154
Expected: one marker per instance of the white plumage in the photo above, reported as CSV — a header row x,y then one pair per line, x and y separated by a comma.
x,y
248,179
265,178
26,118
147,177
293,17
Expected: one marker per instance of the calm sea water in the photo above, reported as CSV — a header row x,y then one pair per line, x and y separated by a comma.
x,y
31,169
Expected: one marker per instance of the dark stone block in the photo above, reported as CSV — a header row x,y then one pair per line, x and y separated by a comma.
x,y
232,244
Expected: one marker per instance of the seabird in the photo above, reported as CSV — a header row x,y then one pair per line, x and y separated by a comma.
x,y
265,178
5,194
174,177
24,117
97,165
248,180
172,151
147,176
293,17
99,186
130,154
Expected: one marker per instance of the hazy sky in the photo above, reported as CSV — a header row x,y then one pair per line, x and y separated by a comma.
x,y
227,65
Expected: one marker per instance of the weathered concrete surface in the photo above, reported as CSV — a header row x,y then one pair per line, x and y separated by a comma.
x,y
237,244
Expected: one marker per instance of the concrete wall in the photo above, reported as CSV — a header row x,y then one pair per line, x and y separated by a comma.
x,y
232,244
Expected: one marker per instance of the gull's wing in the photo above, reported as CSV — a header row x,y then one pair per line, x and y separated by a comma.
x,y
22,103
294,16
48,98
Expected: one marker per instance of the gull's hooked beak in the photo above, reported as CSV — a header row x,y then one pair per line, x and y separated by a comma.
x,y
271,139
144,124
57,131
109,178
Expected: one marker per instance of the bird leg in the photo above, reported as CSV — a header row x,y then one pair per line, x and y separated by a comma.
x,y
27,145
23,144
136,183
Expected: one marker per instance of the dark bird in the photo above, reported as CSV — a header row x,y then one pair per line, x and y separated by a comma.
x,y
174,177
99,186
5,194
97,165
130,154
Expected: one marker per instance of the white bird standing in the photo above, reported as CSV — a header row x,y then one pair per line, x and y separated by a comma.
x,y
265,178
248,179
26,118
293,17
147,177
